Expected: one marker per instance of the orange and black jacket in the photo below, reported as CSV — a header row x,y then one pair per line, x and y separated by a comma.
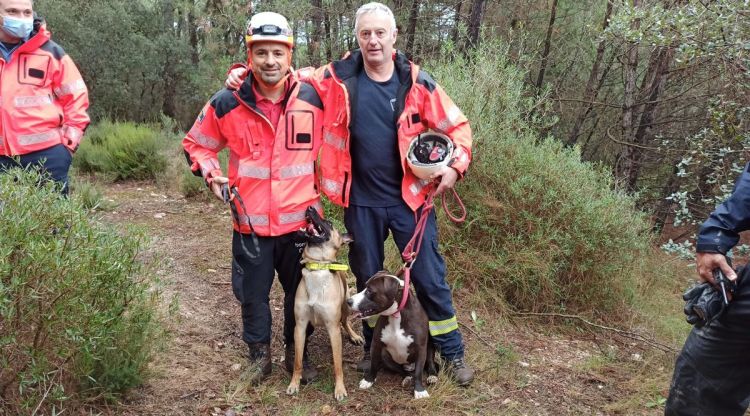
x,y
44,99
421,105
273,167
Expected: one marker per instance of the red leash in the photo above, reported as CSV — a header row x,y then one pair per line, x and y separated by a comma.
x,y
409,255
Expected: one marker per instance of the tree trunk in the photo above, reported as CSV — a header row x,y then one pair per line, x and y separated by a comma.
x,y
457,22
193,31
592,87
475,23
412,27
651,88
168,73
625,165
317,32
547,44
328,35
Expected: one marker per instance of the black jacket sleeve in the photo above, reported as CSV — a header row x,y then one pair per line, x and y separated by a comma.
x,y
721,230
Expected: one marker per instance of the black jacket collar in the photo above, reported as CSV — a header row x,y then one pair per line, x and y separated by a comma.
x,y
352,65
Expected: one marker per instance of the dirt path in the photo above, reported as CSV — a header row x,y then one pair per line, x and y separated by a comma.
x,y
519,370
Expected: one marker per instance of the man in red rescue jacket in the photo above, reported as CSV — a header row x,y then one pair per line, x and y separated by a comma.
x,y
375,102
44,99
272,128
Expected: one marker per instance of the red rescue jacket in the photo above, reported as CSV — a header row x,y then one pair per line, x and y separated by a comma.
x,y
421,105
273,167
43,97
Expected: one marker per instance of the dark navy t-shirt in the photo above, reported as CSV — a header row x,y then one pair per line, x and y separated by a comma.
x,y
376,164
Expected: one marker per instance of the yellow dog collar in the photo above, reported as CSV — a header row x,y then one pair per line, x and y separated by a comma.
x,y
327,266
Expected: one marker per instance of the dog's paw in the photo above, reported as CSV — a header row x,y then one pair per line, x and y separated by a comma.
x,y
292,389
357,340
406,381
364,384
432,379
421,394
340,393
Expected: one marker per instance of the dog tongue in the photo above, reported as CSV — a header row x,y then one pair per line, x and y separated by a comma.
x,y
311,229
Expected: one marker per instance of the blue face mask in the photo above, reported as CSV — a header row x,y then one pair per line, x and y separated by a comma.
x,y
18,28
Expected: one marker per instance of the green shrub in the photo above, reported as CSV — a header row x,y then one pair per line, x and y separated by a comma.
x,y
122,151
545,230
78,309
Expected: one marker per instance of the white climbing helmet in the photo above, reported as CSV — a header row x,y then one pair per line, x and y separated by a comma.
x,y
269,26
428,153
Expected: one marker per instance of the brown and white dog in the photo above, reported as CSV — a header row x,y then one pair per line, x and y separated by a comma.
x,y
321,297
401,341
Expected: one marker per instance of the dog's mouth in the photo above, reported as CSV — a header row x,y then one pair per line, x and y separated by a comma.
x,y
317,230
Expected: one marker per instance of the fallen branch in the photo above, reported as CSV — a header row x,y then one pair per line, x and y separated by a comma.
x,y
220,283
476,335
626,334
193,393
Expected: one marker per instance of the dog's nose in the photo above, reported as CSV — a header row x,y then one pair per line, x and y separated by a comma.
x,y
350,302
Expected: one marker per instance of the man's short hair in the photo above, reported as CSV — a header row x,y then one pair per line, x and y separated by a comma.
x,y
374,7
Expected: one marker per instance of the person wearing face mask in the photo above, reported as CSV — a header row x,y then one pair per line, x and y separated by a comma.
x,y
44,99
273,130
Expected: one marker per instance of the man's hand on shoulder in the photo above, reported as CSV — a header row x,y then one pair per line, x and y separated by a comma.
x,y
235,78
705,263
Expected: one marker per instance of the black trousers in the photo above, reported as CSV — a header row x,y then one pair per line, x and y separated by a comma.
x,y
251,284
712,372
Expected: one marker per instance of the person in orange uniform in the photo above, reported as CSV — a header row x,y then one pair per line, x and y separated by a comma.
x,y
44,99
376,101
272,129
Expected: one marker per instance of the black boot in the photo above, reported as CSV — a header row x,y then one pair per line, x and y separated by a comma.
x,y
309,373
462,374
260,362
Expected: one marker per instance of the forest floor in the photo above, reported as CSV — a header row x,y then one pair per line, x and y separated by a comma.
x,y
524,365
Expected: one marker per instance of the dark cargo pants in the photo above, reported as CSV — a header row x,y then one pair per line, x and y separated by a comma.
x,y
251,284
712,373
370,228
54,161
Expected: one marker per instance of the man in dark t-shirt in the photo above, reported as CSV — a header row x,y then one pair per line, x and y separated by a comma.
x,y
376,164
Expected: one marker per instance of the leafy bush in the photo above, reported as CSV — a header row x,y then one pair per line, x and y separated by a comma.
x,y
121,151
78,309
545,230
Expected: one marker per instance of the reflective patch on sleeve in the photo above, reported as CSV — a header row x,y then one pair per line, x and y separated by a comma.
x,y
70,88
203,139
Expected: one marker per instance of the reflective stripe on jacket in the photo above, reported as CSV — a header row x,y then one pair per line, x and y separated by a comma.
x,y
421,105
273,167
44,99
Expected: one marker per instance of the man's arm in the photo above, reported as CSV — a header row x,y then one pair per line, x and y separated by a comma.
x,y
442,115
202,145
71,91
721,230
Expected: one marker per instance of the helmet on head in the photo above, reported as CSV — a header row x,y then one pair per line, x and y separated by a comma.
x,y
269,26
428,153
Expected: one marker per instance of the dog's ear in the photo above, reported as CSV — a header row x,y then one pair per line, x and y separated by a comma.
x,y
346,238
